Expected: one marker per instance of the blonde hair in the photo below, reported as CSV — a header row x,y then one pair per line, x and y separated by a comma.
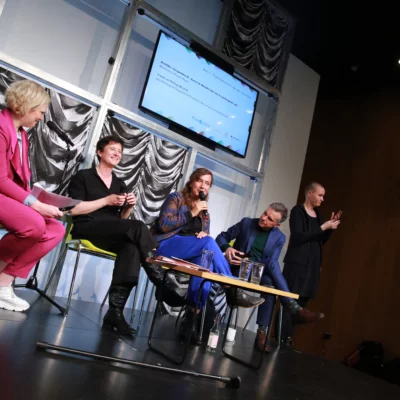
x,y
24,96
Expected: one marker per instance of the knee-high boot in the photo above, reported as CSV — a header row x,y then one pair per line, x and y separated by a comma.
x,y
156,273
114,318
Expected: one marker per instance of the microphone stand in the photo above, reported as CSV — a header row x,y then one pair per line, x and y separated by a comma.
x,y
32,282
68,159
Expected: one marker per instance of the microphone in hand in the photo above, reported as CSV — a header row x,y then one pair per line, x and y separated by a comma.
x,y
202,198
121,208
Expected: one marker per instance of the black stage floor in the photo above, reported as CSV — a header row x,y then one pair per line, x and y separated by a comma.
x,y
29,373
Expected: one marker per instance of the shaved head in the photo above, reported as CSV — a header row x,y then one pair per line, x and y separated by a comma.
x,y
312,187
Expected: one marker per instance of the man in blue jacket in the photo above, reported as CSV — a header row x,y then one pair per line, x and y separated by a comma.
x,y
260,239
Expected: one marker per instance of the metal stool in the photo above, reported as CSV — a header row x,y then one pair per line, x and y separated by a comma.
x,y
80,246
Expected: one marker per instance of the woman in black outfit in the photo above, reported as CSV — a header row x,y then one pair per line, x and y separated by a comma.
x,y
102,218
304,255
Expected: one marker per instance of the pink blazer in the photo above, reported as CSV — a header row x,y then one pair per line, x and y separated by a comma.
x,y
14,178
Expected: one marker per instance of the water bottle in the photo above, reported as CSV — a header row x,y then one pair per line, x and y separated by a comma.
x,y
214,336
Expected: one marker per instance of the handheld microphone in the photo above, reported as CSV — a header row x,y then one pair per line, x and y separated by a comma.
x,y
120,208
202,198
62,135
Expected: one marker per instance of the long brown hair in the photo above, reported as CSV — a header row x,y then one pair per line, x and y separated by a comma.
x,y
196,174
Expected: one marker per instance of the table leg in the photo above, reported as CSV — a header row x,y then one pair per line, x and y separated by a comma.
x,y
239,360
180,360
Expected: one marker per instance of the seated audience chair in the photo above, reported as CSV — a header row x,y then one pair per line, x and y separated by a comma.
x,y
81,246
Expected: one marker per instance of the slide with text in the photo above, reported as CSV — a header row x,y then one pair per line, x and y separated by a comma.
x,y
196,94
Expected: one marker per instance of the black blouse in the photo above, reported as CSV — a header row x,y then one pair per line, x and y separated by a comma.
x,y
86,185
191,228
301,235
315,252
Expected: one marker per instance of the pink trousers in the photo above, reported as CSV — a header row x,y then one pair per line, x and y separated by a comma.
x,y
30,237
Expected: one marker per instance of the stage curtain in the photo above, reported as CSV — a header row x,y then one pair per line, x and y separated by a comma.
x,y
150,166
257,38
47,152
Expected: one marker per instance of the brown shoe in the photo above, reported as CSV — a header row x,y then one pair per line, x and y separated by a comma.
x,y
305,316
260,341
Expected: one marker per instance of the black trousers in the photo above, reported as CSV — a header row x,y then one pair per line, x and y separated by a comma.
x,y
288,326
130,239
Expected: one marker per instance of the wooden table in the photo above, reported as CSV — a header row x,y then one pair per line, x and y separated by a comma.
x,y
224,280
173,265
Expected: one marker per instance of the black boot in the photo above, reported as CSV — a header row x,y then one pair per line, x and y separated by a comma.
x,y
186,327
156,273
114,318
239,298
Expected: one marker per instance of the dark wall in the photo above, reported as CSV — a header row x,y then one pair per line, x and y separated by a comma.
x,y
354,151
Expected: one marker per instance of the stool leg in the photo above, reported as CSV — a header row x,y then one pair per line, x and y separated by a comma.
x,y
269,329
105,298
280,324
59,263
236,317
151,297
179,316
141,308
250,317
203,316
71,289
134,306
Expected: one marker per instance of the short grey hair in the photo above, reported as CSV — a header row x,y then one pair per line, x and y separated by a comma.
x,y
280,208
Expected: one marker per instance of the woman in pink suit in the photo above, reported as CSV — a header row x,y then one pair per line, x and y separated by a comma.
x,y
32,230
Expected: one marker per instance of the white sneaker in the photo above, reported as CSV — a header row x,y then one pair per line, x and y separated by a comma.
x,y
10,301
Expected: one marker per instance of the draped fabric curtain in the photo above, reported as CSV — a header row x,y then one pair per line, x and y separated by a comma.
x,y
47,152
259,37
151,167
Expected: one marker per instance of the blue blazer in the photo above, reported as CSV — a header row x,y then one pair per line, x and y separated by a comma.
x,y
244,233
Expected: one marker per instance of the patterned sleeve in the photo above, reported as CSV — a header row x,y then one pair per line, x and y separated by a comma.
x,y
172,214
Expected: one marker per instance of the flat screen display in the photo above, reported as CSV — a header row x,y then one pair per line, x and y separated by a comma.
x,y
189,91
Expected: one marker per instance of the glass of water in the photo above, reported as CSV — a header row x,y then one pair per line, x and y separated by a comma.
x,y
245,269
256,273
